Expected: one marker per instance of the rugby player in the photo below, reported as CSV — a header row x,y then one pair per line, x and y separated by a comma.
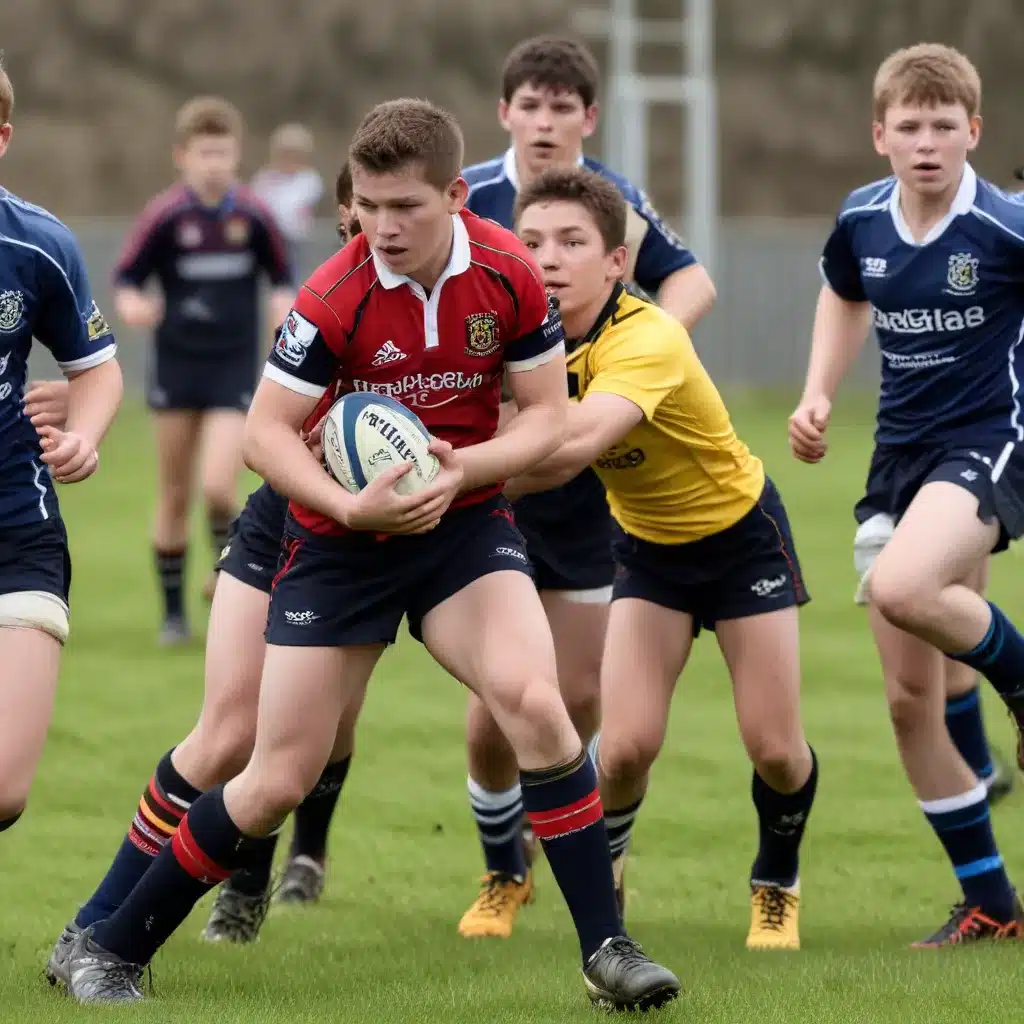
x,y
207,240
548,106
44,294
432,282
220,744
933,258
702,538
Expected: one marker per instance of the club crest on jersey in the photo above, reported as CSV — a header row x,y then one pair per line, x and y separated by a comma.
x,y
96,324
962,274
481,334
236,230
190,234
12,306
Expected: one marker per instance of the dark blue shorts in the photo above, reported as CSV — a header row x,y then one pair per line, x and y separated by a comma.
x,y
254,546
36,557
354,589
746,569
993,474
569,532
179,382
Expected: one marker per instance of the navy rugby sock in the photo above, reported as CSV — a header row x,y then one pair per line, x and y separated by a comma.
x,y
165,801
499,823
313,815
170,567
781,820
966,728
1000,658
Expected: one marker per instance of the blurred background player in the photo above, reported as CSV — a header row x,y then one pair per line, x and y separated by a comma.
x,y
207,240
291,187
44,294
548,105
221,743
933,257
702,539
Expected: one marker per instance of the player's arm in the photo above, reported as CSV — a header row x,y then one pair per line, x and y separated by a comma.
x,y
593,425
135,266
538,387
272,253
298,372
842,321
665,267
73,329
633,373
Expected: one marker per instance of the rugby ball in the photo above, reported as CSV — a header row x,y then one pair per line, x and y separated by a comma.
x,y
365,434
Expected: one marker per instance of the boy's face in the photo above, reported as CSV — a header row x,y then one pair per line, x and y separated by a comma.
x,y
567,245
927,145
547,126
209,163
406,219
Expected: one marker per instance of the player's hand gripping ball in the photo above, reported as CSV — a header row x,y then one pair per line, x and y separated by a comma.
x,y
364,434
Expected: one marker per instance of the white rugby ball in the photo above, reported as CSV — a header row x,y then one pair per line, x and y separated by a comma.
x,y
365,434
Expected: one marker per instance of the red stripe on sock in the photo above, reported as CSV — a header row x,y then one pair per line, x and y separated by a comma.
x,y
571,818
158,799
193,860
142,842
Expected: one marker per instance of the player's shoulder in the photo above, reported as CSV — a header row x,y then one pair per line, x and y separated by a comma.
x,y
249,201
634,321
868,200
166,204
351,267
633,195
495,248
999,209
489,173
25,224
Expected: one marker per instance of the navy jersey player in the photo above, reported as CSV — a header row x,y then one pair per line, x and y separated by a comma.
x,y
44,294
548,105
219,745
421,282
208,241
933,258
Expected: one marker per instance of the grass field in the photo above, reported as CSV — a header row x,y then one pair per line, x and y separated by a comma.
x,y
404,859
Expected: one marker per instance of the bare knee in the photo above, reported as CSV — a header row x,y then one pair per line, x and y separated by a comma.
x,y
279,784
903,603
536,723
218,748
773,754
628,757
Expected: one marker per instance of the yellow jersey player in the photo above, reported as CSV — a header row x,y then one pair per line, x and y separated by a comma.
x,y
702,542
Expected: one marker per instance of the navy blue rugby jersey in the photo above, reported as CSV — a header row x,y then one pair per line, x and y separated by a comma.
x,y
45,294
208,261
948,311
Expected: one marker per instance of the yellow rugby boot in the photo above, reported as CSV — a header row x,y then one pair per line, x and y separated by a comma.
x,y
774,917
494,911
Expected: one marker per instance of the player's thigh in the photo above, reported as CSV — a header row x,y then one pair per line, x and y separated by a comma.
x,y
222,741
176,435
646,648
939,541
221,455
578,620
29,665
493,636
762,653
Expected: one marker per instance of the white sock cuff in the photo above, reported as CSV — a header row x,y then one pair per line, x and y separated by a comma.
x,y
947,804
486,798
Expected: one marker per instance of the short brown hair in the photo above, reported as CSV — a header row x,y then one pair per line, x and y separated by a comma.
x,y
402,132
926,74
207,115
6,94
553,62
343,186
597,195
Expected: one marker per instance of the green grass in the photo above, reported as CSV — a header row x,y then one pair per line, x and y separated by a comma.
x,y
404,859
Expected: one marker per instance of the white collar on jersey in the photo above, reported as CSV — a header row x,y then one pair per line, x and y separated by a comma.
x,y
962,203
512,172
458,262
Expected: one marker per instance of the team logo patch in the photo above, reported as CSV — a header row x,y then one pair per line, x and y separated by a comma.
x,y
190,234
96,324
962,273
236,230
295,338
481,334
12,306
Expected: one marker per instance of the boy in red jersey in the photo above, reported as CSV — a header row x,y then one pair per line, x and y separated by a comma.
x,y
431,305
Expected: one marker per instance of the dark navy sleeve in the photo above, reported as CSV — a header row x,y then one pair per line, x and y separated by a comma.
x,y
69,323
541,337
141,250
272,251
306,355
661,251
840,268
